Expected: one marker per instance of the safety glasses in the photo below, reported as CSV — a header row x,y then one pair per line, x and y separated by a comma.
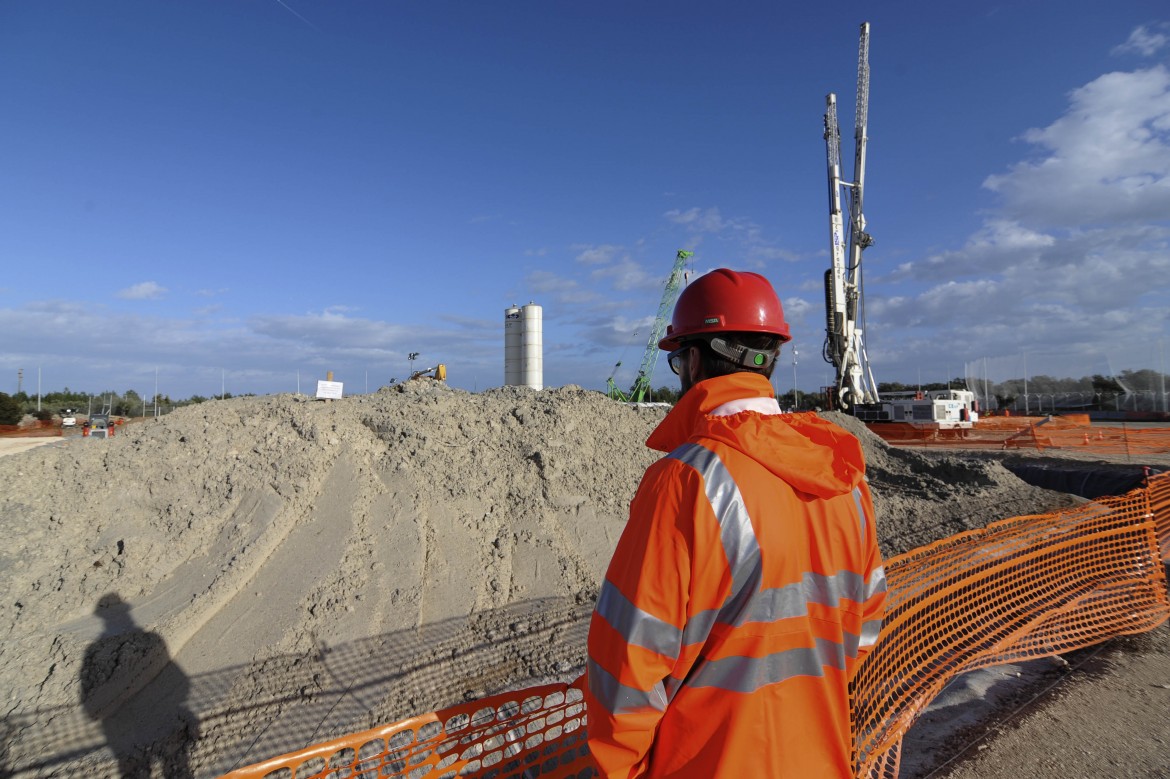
x,y
674,359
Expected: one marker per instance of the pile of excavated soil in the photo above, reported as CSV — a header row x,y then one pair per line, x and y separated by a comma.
x,y
245,577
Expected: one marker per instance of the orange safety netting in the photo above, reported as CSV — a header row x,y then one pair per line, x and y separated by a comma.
x,y
535,732
36,430
1019,589
1160,508
1070,432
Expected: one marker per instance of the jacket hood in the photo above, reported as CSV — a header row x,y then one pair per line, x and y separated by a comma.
x,y
811,454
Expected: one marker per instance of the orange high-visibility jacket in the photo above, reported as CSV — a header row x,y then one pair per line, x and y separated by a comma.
x,y
743,594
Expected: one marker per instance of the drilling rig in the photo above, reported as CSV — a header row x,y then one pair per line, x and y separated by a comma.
x,y
855,391
844,346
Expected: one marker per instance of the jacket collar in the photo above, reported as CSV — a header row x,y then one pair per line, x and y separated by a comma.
x,y
706,398
812,454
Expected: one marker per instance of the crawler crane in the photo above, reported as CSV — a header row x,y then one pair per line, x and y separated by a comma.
x,y
641,386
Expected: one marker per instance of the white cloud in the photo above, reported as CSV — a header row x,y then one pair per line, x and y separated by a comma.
x,y
998,245
597,255
1069,263
628,275
1106,160
564,291
547,281
705,220
799,310
621,335
1145,41
147,290
763,254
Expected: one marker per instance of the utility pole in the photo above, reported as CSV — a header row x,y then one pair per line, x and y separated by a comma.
x,y
1162,371
1025,384
795,392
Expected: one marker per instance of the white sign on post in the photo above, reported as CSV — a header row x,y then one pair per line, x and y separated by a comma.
x,y
329,390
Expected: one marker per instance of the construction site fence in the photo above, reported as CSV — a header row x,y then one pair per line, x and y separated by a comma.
x,y
1070,432
37,429
1019,589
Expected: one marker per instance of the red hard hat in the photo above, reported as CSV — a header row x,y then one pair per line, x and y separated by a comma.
x,y
726,301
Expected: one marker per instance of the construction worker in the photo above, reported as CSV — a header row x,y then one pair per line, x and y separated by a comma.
x,y
747,586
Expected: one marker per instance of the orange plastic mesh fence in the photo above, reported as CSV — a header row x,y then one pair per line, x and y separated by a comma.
x,y
1032,433
1018,589
535,732
1160,507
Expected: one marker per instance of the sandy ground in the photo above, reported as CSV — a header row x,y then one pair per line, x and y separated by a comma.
x,y
17,445
245,577
1104,715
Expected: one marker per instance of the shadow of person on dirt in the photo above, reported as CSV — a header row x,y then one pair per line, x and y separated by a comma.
x,y
130,685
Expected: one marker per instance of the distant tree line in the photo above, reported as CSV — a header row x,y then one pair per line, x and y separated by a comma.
x,y
1140,390
1130,390
126,404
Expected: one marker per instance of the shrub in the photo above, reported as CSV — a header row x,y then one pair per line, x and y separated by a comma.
x,y
10,411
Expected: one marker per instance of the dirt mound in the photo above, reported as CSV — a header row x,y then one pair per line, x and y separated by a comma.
x,y
922,497
316,568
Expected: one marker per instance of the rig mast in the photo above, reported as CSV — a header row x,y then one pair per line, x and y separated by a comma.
x,y
844,306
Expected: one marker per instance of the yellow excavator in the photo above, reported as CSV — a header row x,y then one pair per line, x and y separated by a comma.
x,y
438,373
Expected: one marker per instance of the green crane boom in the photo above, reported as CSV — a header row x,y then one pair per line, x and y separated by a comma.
x,y
641,387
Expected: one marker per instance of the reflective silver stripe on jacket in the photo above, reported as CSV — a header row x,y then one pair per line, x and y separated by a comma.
x,y
748,674
869,632
619,698
792,600
877,582
735,527
638,627
860,510
745,603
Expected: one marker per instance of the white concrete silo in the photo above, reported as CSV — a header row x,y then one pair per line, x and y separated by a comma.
x,y
513,345
524,346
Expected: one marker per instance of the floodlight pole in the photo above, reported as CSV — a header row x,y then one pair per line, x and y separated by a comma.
x,y
795,392
1026,410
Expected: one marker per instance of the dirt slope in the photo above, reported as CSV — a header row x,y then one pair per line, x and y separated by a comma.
x,y
317,568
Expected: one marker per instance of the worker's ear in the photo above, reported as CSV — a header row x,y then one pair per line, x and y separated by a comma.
x,y
695,365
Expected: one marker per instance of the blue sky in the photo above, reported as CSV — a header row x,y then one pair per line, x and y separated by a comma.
x,y
232,194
